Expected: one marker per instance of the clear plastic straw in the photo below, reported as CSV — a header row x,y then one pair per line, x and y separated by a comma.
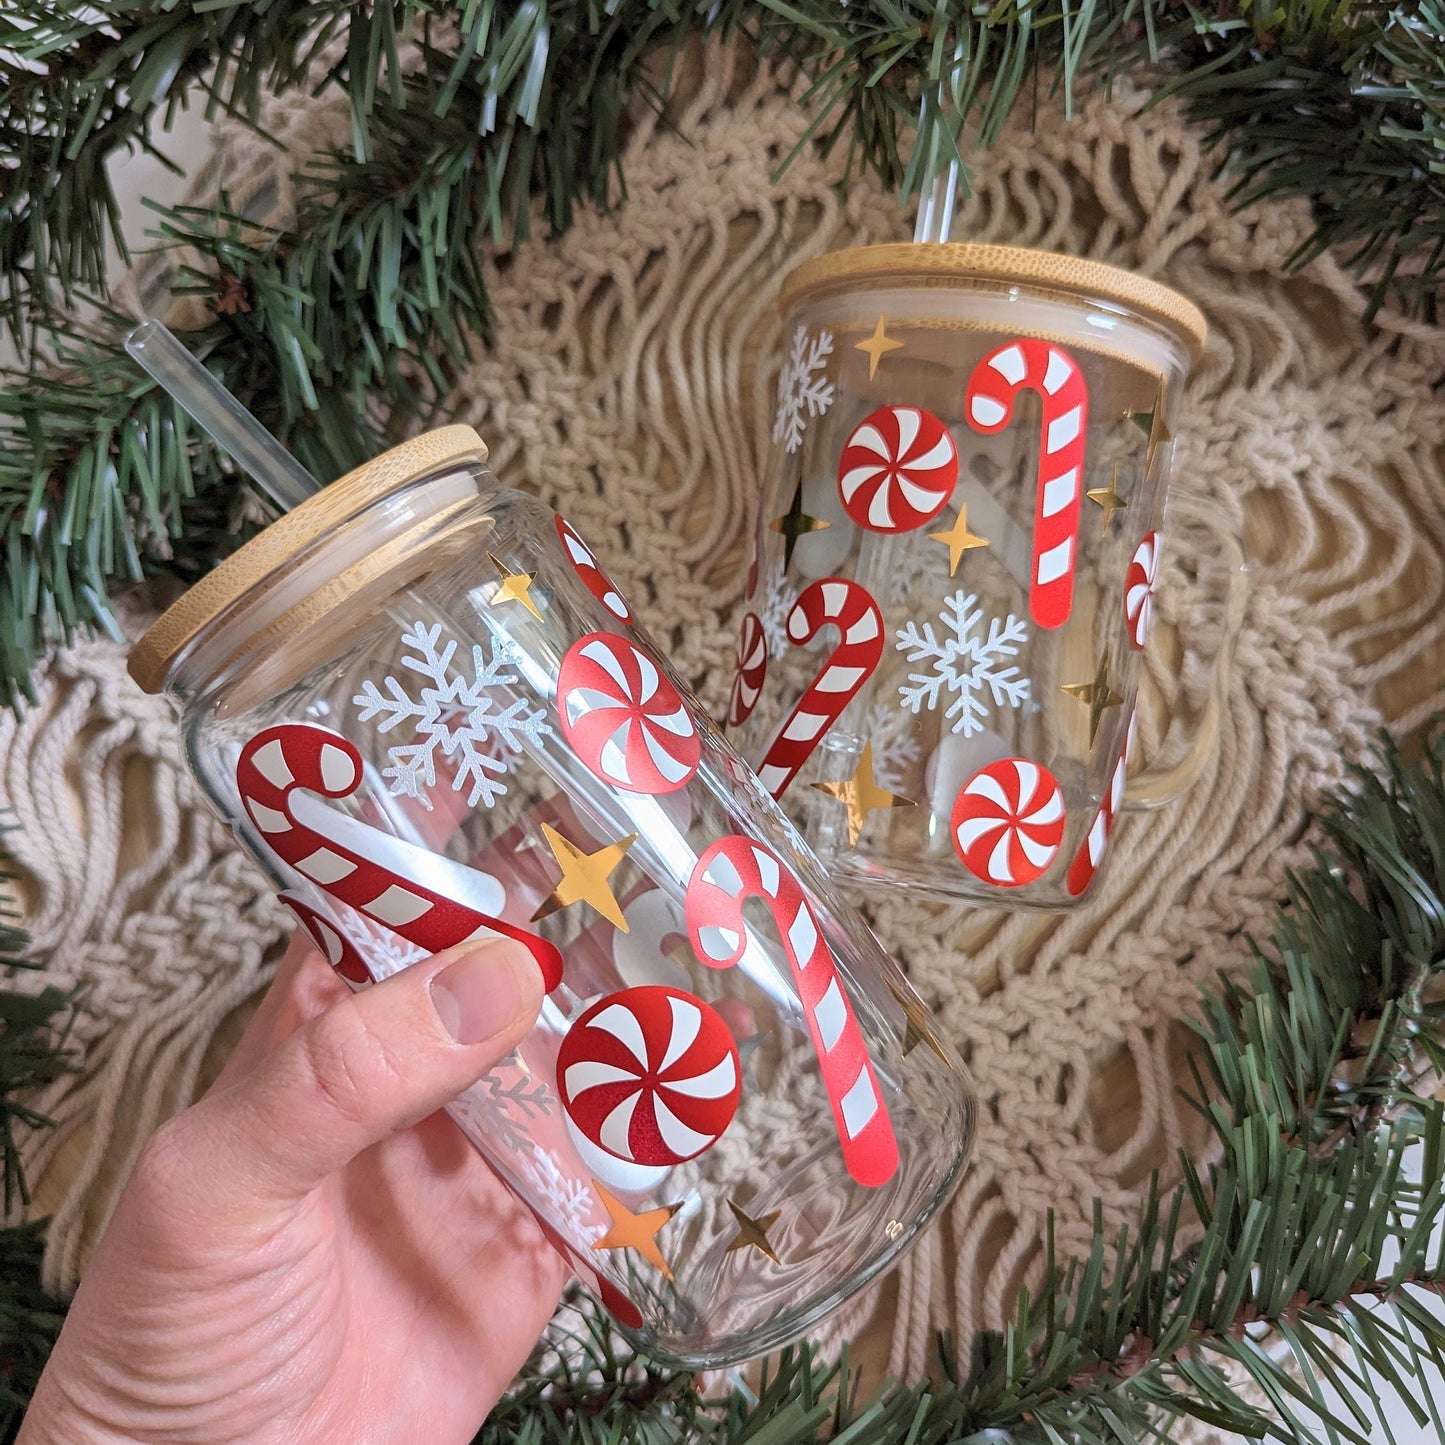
x,y
155,347
940,188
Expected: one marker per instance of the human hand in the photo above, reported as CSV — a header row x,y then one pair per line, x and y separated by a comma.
x,y
311,1252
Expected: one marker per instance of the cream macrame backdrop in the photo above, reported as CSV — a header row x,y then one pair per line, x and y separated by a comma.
x,y
632,384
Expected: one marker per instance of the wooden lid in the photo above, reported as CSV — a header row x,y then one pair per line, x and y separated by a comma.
x,y
1046,269
152,656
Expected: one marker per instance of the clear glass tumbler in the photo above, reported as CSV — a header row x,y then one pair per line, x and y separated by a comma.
x,y
429,715
956,562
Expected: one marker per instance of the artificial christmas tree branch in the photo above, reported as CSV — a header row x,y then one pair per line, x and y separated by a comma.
x,y
1307,1232
32,1054
465,115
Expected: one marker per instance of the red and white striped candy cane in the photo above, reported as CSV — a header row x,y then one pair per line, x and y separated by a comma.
x,y
731,872
1096,840
426,898
336,948
752,670
849,607
989,399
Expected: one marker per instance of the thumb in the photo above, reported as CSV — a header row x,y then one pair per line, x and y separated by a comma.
x,y
370,1065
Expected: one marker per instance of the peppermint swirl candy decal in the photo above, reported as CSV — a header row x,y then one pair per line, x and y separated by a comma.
x,y
624,719
1008,822
1139,583
898,469
650,1074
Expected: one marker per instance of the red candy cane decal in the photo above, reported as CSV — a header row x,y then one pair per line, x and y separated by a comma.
x,y
597,582
898,469
336,948
850,608
752,670
731,872
391,881
989,398
1091,850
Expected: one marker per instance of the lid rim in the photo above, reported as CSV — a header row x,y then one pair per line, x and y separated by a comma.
x,y
155,655
1022,264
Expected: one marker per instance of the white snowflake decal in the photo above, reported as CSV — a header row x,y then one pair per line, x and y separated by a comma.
x,y
385,952
895,746
965,663
517,1105
774,617
800,390
571,1199
453,715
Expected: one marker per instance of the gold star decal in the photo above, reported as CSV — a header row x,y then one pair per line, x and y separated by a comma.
x,y
917,1023
1159,435
1098,696
877,346
753,1232
795,523
1153,425
958,539
1109,499
635,1231
584,877
861,794
514,588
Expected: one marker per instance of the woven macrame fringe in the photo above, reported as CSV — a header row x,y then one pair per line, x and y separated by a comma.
x,y
632,382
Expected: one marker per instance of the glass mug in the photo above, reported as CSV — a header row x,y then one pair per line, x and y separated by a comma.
x,y
956,559
428,714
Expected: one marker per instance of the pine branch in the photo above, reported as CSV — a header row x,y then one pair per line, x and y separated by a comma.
x,y
1302,1234
32,1053
352,323
29,1321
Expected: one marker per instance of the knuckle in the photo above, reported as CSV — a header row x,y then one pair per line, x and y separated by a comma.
x,y
166,1168
346,1064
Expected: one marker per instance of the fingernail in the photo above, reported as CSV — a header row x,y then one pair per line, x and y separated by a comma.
x,y
479,995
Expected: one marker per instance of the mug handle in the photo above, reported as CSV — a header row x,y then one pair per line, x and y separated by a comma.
x,y
1205,637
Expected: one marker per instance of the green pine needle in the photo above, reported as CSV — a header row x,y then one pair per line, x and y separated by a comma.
x,y
346,329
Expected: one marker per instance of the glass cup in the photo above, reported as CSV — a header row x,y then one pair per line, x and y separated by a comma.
x,y
429,715
954,579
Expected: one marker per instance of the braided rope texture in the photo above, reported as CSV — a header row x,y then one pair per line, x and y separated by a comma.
x,y
631,386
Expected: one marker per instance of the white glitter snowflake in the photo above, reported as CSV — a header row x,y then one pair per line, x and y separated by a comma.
x,y
454,715
964,663
385,952
895,746
517,1104
800,390
571,1199
773,614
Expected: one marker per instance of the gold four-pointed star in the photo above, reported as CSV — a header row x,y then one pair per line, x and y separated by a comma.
x,y
1159,434
877,346
1153,425
795,523
917,1023
861,794
514,588
958,539
1109,499
1098,696
753,1232
584,877
635,1231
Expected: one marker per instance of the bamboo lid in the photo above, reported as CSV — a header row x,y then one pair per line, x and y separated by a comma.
x,y
152,656
1045,269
